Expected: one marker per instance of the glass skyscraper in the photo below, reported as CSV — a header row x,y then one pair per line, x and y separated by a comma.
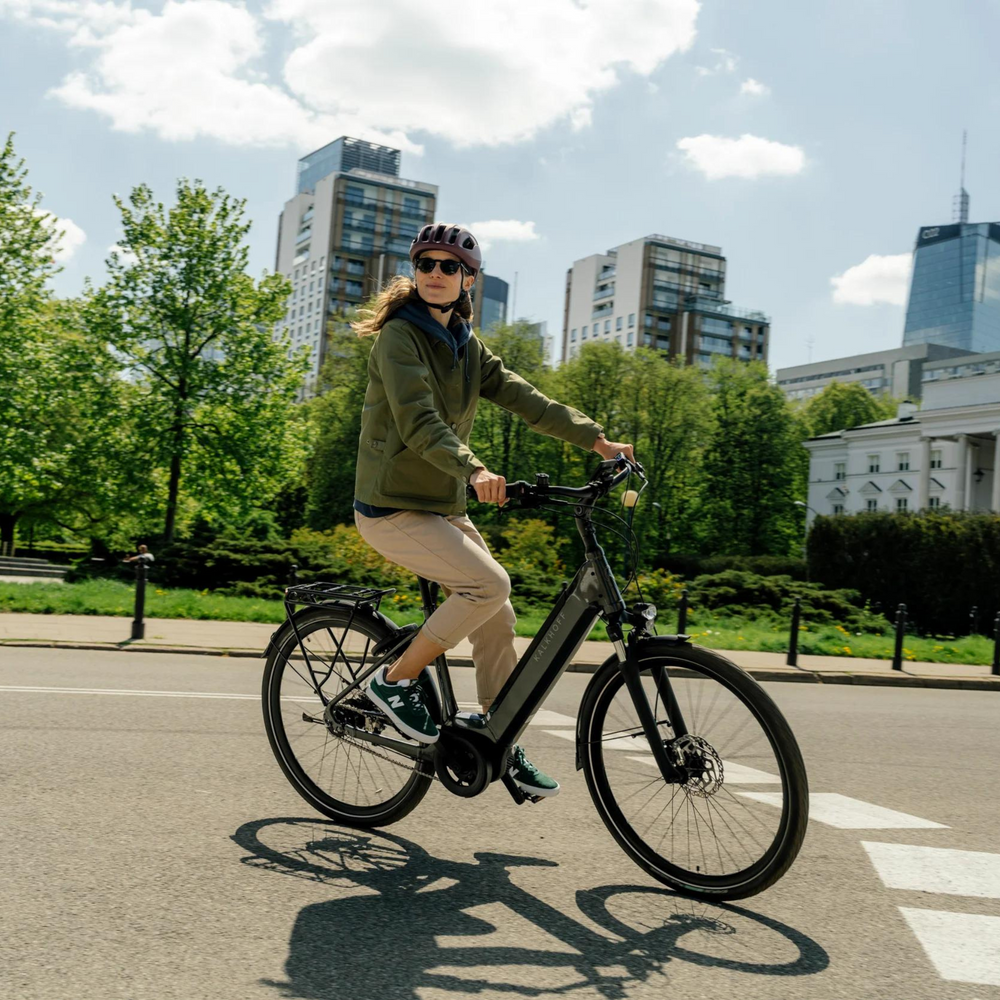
x,y
955,291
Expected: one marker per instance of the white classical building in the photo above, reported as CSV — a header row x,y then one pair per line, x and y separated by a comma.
x,y
947,453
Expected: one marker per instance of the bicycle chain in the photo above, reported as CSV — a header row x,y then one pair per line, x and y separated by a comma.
x,y
369,749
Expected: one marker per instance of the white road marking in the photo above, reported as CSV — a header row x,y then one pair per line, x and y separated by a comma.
x,y
26,689
732,774
936,869
850,814
964,947
542,718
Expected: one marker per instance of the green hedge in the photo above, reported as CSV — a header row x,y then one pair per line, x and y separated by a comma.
x,y
693,566
770,598
940,564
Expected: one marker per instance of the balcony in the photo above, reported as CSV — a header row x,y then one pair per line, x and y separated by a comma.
x,y
356,202
303,235
604,310
604,293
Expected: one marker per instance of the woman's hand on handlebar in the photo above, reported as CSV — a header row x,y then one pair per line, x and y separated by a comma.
x,y
608,449
489,488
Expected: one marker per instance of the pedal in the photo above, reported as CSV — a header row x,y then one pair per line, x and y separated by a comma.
x,y
516,792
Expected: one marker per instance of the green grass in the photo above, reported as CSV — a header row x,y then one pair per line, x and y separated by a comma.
x,y
110,597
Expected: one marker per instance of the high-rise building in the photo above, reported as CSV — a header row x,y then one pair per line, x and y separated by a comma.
x,y
955,289
664,293
489,300
345,232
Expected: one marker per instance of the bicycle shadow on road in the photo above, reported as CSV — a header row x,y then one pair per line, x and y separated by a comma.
x,y
401,922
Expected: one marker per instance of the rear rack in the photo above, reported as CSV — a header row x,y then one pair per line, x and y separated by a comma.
x,y
322,593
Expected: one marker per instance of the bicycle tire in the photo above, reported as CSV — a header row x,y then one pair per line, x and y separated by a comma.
x,y
689,668
285,682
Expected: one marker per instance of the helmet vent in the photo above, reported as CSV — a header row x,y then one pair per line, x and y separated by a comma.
x,y
469,243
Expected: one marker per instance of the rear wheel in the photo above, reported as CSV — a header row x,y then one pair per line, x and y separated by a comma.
x,y
350,781
733,821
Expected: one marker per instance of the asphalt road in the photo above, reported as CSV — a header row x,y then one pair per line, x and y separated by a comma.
x,y
152,849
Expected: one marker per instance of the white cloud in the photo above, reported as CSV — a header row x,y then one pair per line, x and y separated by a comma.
x,y
748,156
73,237
503,230
726,62
876,279
754,88
494,73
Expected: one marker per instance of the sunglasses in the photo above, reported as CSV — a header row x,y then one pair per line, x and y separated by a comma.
x,y
426,265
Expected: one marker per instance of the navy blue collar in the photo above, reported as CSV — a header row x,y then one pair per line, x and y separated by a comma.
x,y
415,311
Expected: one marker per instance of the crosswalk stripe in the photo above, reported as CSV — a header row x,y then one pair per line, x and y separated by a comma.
x,y
936,869
963,947
850,814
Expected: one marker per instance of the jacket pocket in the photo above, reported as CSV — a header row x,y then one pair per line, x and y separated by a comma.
x,y
407,475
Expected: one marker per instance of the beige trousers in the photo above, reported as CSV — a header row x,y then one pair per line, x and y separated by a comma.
x,y
451,552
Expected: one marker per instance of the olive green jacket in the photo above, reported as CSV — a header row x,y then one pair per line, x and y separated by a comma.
x,y
419,407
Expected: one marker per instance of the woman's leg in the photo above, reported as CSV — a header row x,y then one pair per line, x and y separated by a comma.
x,y
493,650
439,549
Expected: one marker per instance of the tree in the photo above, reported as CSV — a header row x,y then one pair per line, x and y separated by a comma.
x,y
665,413
194,332
751,467
59,397
334,419
845,404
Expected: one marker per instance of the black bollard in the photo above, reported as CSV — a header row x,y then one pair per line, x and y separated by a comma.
x,y
138,625
996,647
897,656
974,621
682,614
293,575
793,639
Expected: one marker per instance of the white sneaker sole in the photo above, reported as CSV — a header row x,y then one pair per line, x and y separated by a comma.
x,y
414,734
544,793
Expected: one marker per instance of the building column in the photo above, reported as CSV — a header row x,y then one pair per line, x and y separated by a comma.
x,y
924,478
995,502
961,470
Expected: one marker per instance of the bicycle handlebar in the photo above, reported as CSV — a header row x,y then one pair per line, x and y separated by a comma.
x,y
599,486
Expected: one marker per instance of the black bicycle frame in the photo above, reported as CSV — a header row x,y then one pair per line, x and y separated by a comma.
x,y
592,593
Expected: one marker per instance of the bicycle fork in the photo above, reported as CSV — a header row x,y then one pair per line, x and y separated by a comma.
x,y
629,667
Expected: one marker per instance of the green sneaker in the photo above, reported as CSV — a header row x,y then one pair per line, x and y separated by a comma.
x,y
528,778
403,702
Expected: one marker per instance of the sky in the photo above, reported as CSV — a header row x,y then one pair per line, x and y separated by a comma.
x,y
809,140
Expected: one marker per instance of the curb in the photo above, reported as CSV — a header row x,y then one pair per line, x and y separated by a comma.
x,y
798,675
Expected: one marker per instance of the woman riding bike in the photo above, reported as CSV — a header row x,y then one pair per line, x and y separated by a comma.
x,y
427,371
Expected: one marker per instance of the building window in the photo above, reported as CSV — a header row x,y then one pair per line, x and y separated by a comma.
x,y
873,463
902,503
903,461
583,333
838,508
840,470
607,326
618,322
631,320
631,338
871,505
936,459
572,335
934,503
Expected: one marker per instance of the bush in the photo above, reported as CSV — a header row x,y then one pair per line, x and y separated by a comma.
x,y
939,564
693,566
770,598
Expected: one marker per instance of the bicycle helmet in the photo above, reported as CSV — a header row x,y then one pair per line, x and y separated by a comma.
x,y
455,239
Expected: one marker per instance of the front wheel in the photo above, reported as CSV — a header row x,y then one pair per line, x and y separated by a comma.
x,y
733,819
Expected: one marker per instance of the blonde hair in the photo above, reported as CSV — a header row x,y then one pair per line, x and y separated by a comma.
x,y
399,290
